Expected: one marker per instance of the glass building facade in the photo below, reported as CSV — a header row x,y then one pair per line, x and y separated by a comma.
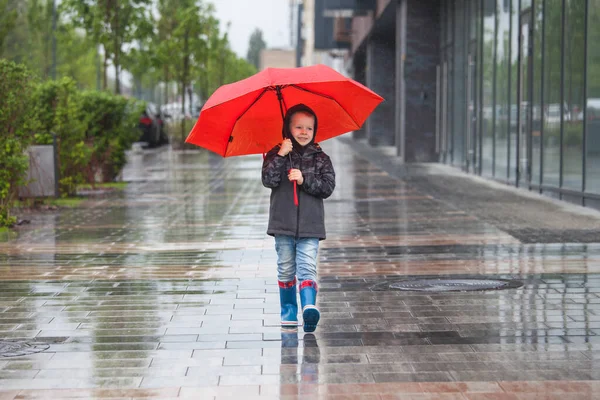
x,y
518,93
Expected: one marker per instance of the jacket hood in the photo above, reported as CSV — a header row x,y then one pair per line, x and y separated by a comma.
x,y
287,134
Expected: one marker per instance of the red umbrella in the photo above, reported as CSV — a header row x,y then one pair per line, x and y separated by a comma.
x,y
246,117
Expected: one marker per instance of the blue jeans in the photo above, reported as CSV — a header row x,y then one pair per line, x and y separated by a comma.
x,y
296,257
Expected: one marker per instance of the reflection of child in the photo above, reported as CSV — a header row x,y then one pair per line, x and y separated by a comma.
x,y
298,229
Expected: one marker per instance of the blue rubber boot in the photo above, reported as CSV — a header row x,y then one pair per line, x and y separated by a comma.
x,y
289,304
308,299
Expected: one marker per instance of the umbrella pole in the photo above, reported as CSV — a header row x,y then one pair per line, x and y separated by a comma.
x,y
281,103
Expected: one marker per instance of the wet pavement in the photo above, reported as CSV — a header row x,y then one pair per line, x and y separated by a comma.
x,y
168,290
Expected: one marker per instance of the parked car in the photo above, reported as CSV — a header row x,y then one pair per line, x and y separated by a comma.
x,y
152,126
552,114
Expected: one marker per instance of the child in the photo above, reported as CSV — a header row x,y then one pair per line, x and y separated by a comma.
x,y
298,229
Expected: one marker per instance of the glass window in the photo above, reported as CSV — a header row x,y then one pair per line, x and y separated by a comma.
x,y
535,112
458,76
502,89
449,20
514,81
592,118
443,22
473,87
552,107
573,93
489,50
479,79
525,99
450,106
472,4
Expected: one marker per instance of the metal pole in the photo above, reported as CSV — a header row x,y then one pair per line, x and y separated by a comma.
x,y
510,80
437,109
519,99
494,91
562,99
480,79
542,94
585,95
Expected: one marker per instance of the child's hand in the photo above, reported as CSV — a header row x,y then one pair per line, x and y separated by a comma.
x,y
286,147
296,175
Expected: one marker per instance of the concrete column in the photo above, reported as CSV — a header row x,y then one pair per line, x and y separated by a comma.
x,y
400,116
359,75
308,32
417,93
381,77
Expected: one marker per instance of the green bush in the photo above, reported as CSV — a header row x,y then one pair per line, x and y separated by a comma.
x,y
18,124
572,134
59,110
111,128
501,129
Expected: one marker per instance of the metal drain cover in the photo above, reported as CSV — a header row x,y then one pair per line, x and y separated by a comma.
x,y
16,348
450,285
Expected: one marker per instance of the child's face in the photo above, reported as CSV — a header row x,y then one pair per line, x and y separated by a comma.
x,y
302,127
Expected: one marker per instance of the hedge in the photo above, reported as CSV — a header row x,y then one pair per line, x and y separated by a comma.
x,y
93,129
18,124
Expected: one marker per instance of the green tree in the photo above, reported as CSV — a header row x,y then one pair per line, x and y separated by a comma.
x,y
39,27
8,18
255,46
214,63
184,30
77,57
165,49
112,24
141,59
30,43
18,124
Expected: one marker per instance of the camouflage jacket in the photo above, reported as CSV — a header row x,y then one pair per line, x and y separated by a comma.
x,y
308,219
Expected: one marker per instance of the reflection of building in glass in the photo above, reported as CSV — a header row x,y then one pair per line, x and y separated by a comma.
x,y
507,89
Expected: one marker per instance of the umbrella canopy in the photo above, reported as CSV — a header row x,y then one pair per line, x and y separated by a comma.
x,y
246,117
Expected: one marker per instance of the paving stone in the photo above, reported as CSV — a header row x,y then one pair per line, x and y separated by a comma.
x,y
168,289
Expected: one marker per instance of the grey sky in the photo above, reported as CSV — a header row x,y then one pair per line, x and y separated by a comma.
x,y
271,16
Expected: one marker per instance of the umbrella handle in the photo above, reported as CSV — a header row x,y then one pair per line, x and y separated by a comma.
x,y
295,192
295,195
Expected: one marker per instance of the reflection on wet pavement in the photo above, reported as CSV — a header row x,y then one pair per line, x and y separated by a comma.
x,y
168,290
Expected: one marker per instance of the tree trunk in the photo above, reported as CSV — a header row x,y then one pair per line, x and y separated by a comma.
x,y
166,88
222,69
105,70
204,88
184,81
117,50
190,93
104,46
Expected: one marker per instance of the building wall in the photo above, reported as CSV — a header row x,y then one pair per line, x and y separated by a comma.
x,y
420,63
381,5
522,85
361,26
507,89
381,77
277,58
